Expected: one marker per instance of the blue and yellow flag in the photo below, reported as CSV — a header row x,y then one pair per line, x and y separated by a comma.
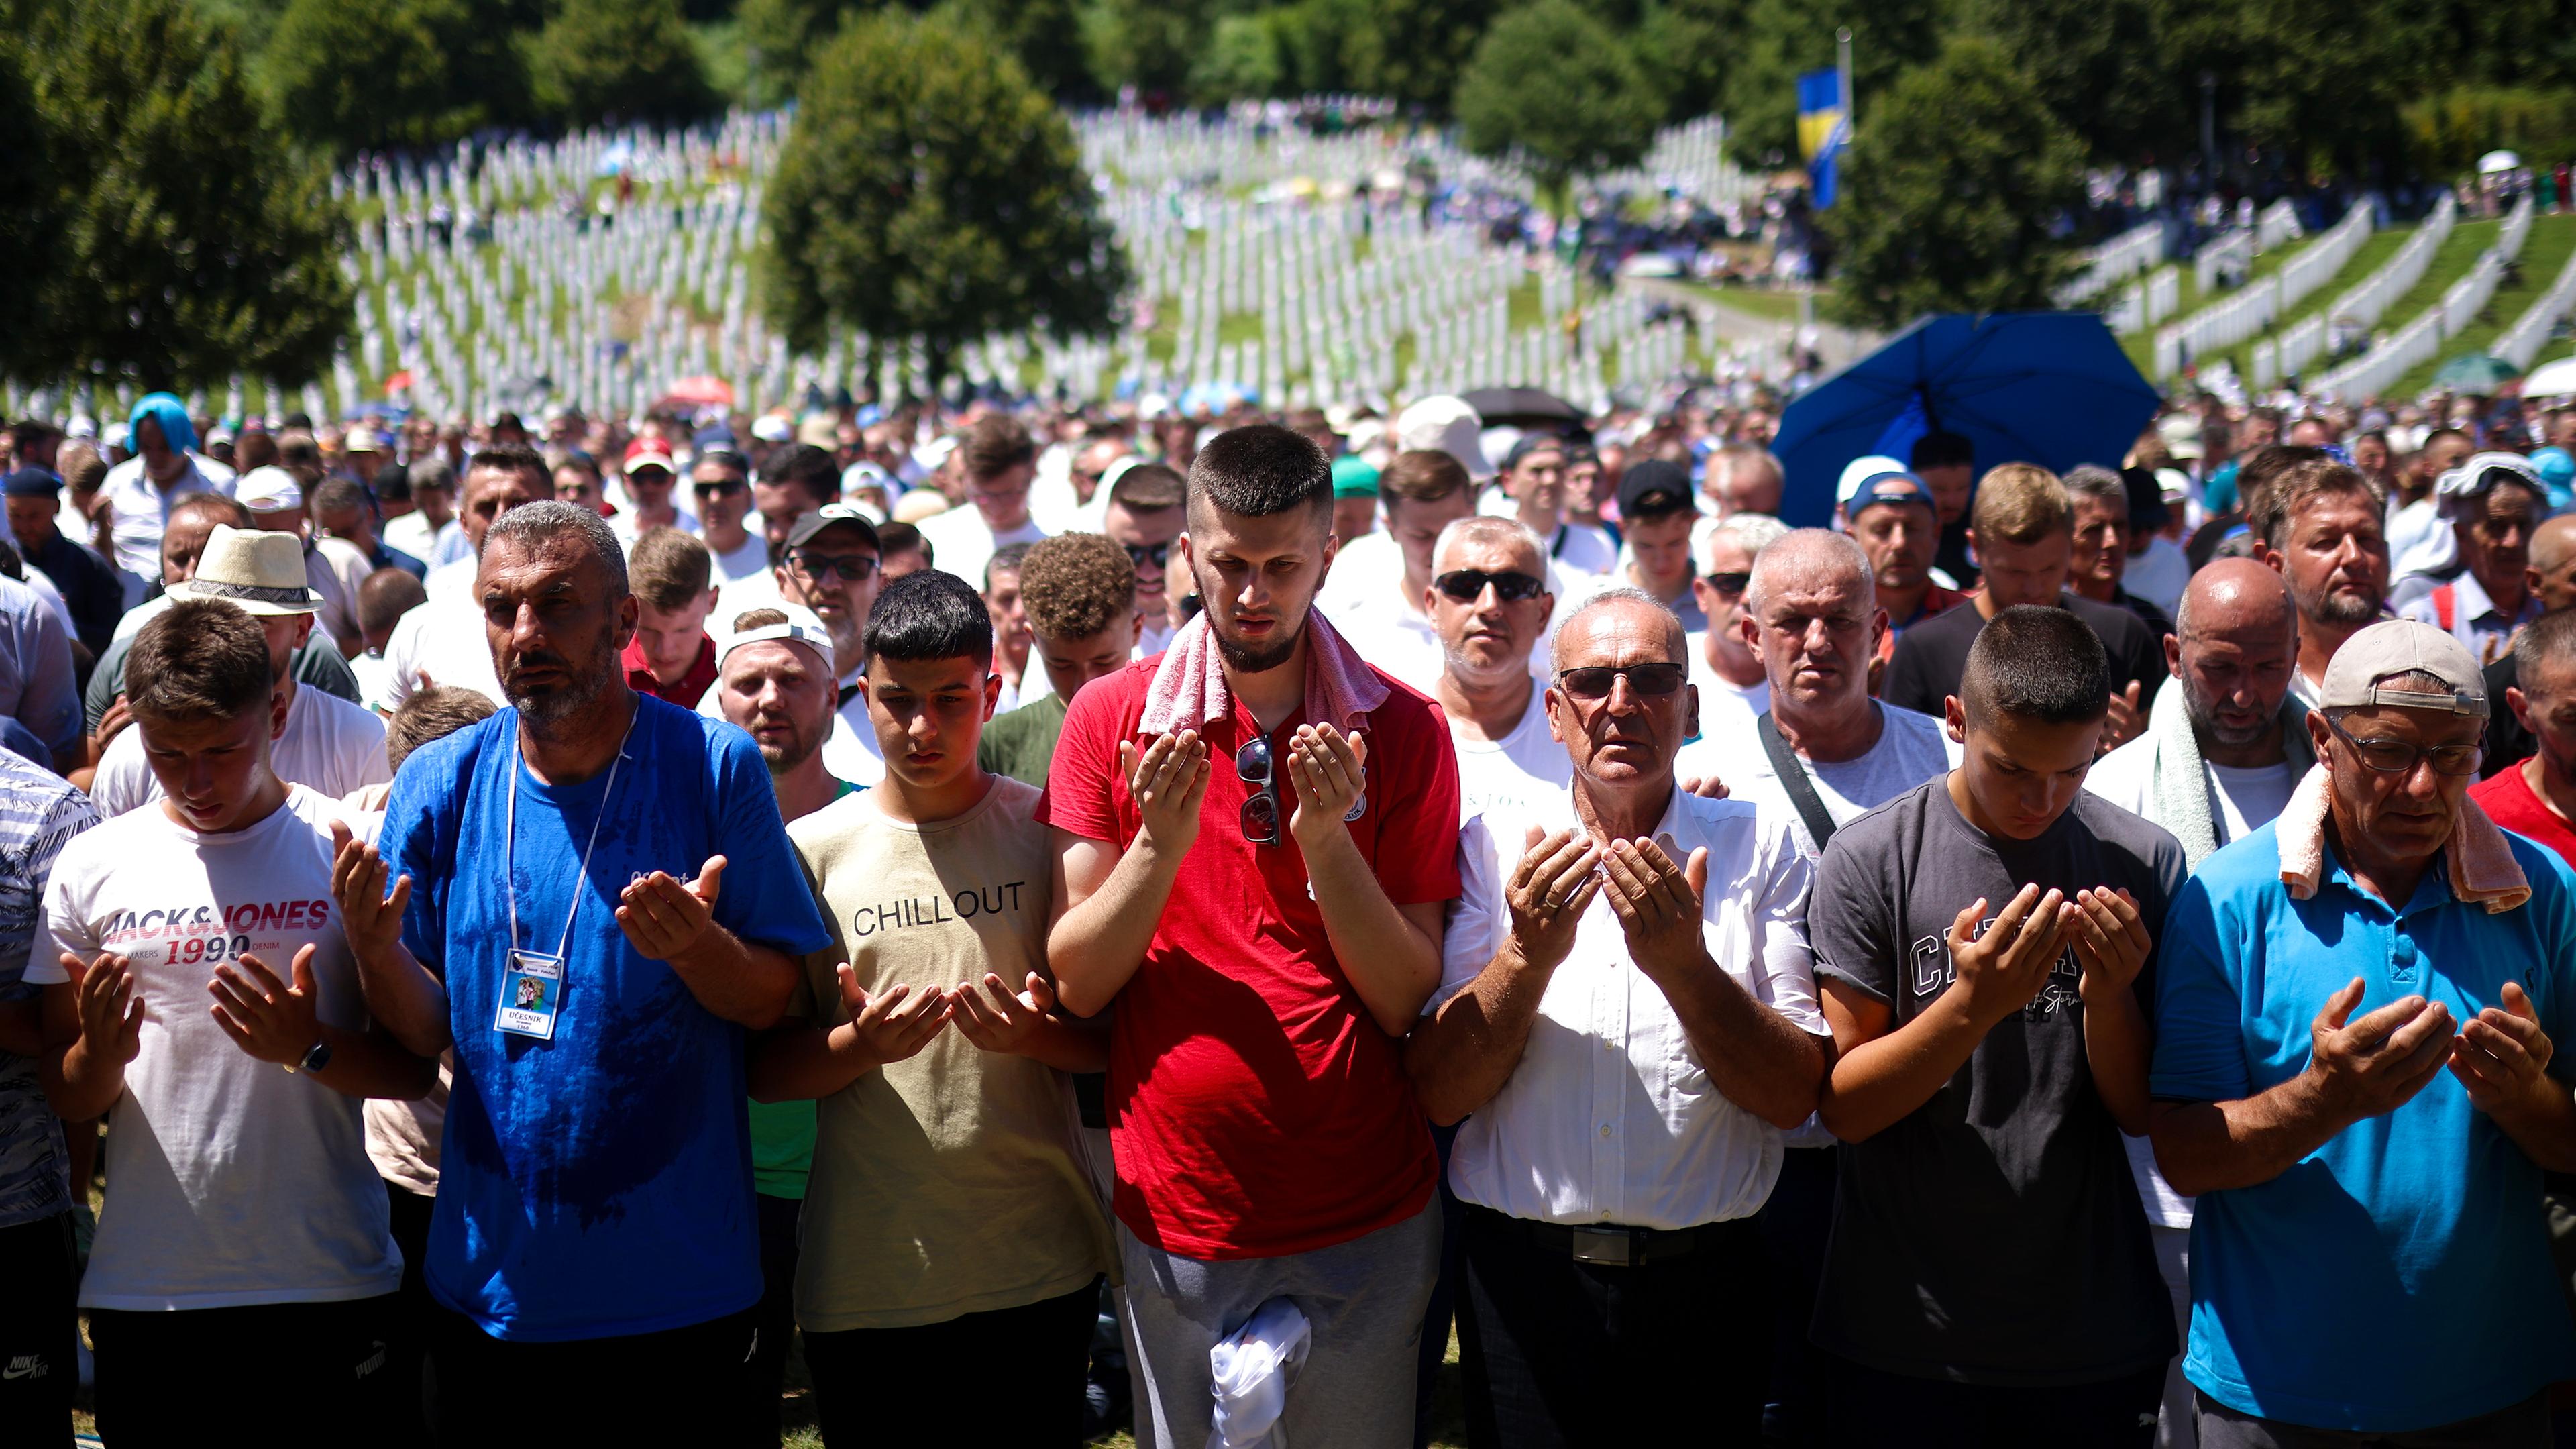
x,y
1824,124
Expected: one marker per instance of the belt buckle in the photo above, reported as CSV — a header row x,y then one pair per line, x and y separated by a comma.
x,y
1609,1247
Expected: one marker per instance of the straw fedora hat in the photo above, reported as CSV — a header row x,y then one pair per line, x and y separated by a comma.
x,y
262,572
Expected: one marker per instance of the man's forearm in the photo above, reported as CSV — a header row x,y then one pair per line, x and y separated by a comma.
x,y
2212,1146
405,999
802,1063
743,982
1392,965
2117,1045
1096,946
375,1064
79,1084
1460,1055
2545,1127
1752,1054
1069,1046
1879,1082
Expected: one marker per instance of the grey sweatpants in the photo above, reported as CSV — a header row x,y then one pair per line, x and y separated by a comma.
x,y
1363,1299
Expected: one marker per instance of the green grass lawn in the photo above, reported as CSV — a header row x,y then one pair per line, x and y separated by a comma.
x,y
1779,306
2552,239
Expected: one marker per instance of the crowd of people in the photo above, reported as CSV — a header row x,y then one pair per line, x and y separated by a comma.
x,y
1073,916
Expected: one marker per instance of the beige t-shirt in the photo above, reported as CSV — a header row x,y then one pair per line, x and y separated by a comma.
x,y
948,1183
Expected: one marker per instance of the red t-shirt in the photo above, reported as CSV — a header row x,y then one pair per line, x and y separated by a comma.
x,y
2508,801
693,685
1255,1108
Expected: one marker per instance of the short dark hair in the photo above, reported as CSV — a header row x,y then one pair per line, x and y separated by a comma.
x,y
392,483
336,493
1005,560
2272,507
995,445
1148,488
929,614
2549,639
386,595
198,659
1941,450
668,569
433,713
900,537
2036,663
1422,475
215,507
2262,467
1261,470
1076,584
805,464
517,458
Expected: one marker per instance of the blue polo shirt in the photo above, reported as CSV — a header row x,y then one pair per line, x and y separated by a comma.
x,y
598,1184
2398,1277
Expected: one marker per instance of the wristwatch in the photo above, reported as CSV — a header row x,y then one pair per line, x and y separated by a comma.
x,y
313,1060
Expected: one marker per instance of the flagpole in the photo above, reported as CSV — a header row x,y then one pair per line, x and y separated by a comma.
x,y
1843,63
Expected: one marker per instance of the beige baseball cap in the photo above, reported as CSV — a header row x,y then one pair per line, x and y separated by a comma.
x,y
2400,646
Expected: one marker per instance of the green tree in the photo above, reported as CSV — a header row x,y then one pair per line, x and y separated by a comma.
x,y
1046,35
187,240
1412,51
627,60
928,189
26,171
1149,44
1245,57
1680,46
349,76
1557,91
781,37
1784,39
1948,192
2090,62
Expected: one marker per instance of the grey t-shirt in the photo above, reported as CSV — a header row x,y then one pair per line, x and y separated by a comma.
x,y
1992,1236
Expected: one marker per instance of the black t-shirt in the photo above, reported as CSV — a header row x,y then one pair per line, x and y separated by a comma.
x,y
1993,1235
2508,743
1931,655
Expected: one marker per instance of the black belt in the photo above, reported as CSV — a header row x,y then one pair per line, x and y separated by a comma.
x,y
1612,1245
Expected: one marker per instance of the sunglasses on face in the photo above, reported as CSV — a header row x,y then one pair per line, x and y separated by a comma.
x,y
854,567
1141,554
1468,585
1652,681
724,488
1729,585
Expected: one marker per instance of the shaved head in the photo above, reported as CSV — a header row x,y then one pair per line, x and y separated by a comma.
x,y
2553,563
2233,595
1812,558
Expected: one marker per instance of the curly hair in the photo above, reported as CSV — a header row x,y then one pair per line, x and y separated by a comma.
x,y
1075,585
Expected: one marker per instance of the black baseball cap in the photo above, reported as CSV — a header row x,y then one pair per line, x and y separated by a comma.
x,y
1654,487
832,515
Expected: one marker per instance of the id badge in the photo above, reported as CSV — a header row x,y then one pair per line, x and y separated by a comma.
x,y
531,994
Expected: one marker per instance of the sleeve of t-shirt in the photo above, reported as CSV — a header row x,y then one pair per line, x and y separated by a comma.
x,y
1908,685
1476,927
1787,983
65,928
2170,874
417,809
1847,921
818,980
71,815
1077,797
123,781
2200,1039
1417,841
362,742
51,702
2146,662
765,898
107,681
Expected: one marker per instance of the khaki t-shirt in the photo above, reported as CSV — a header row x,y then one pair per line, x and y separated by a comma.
x,y
948,1183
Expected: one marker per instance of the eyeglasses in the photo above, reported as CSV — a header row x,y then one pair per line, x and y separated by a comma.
x,y
1728,585
1468,585
1141,554
1253,766
1653,681
2397,757
855,567
723,488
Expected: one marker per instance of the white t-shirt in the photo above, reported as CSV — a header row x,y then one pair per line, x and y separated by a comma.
x,y
1518,773
961,542
412,534
1726,709
2420,540
2159,575
745,560
1911,749
329,745
440,642
1580,547
2248,799
625,526
236,1183
1393,638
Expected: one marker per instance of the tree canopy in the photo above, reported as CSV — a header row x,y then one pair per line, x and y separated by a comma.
x,y
629,60
1948,192
928,189
401,73
1556,90
185,239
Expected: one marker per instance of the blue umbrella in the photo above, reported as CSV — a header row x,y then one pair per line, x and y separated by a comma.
x,y
2051,388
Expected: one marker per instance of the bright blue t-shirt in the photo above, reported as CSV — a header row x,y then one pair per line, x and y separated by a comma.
x,y
2398,1277
597,1184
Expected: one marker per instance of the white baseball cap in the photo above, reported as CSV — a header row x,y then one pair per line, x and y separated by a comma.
x,y
1445,424
269,490
801,626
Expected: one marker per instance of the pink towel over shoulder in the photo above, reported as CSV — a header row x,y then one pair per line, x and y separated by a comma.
x,y
2481,865
1189,685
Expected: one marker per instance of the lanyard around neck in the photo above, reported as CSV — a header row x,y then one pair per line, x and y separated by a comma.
x,y
510,837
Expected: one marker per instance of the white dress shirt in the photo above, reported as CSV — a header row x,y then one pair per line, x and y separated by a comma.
x,y
1610,1116
140,508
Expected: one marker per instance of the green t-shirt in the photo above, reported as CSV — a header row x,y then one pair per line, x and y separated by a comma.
x,y
1021,744
782,1133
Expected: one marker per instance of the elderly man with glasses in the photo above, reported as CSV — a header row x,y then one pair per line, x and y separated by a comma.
x,y
1627,1008
2354,1073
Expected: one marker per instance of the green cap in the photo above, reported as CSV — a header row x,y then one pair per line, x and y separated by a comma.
x,y
1353,477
